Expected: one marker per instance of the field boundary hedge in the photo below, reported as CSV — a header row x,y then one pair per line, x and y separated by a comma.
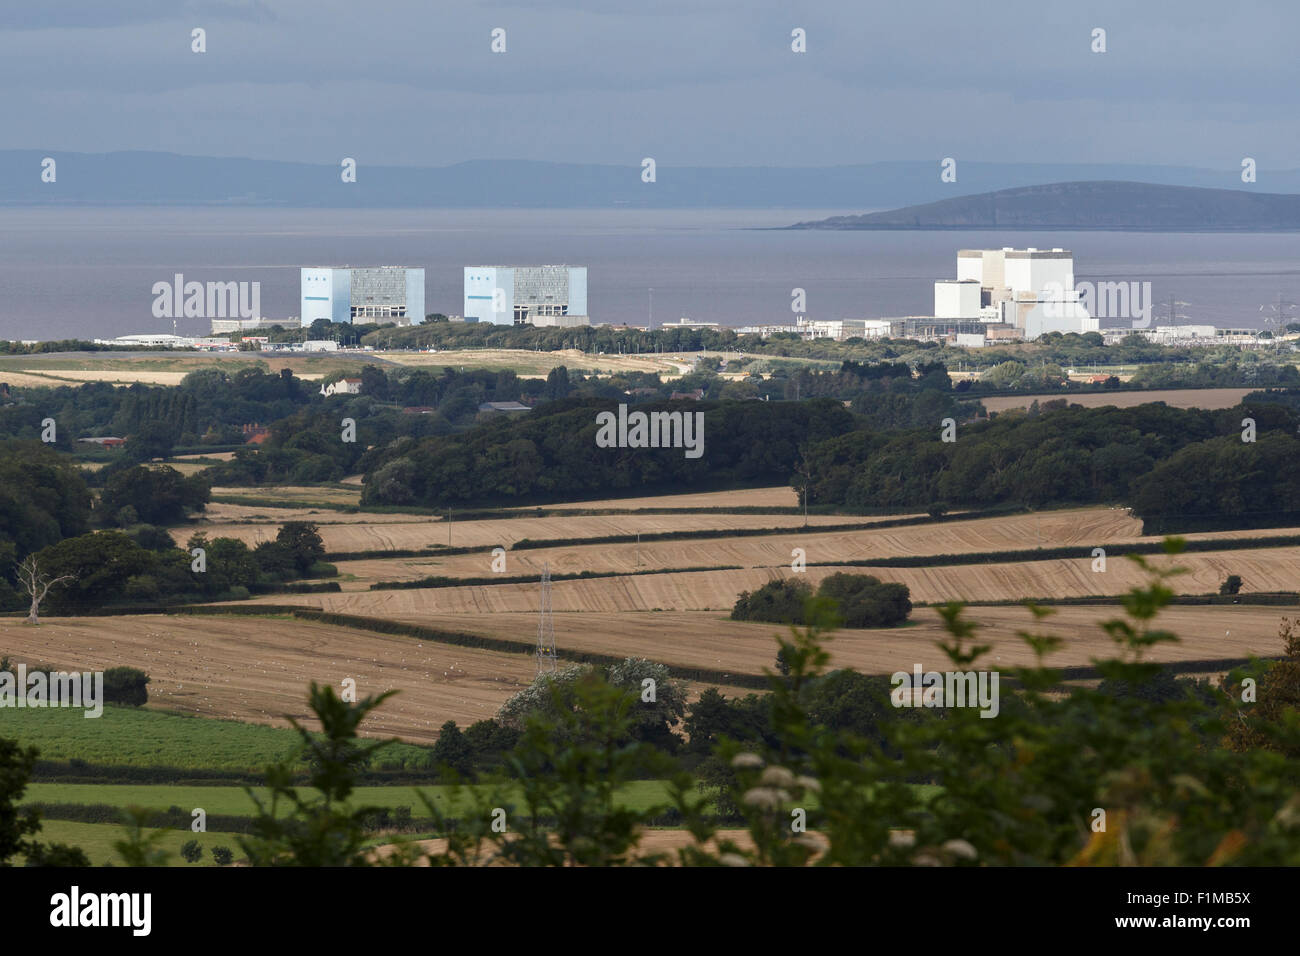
x,y
81,772
1257,598
251,501
1053,554
442,581
333,556
524,544
383,820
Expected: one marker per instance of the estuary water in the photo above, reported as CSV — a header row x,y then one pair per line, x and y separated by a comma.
x,y
88,272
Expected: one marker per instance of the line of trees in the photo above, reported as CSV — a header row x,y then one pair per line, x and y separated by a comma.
x,y
552,455
1167,463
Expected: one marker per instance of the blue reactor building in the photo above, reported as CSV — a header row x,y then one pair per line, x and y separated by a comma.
x,y
371,294
522,295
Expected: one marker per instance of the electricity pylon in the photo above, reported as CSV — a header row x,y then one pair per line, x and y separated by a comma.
x,y
1277,314
546,627
1172,316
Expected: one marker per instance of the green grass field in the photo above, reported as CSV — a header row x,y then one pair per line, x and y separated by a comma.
x,y
638,795
97,839
127,736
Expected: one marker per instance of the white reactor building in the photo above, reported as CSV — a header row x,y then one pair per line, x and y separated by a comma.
x,y
1031,289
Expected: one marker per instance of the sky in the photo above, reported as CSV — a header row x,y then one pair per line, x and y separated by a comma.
x,y
689,82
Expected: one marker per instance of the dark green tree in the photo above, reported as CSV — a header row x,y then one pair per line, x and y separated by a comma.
x,y
18,824
452,750
303,540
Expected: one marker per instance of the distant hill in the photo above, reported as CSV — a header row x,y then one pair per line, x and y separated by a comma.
x,y
1091,205
171,179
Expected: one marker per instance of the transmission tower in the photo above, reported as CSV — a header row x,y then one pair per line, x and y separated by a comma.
x,y
1278,314
546,627
1171,314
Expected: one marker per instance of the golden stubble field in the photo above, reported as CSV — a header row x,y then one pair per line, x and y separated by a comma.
x,y
259,669
779,496
1269,569
1207,398
707,639
368,534
530,364
1265,569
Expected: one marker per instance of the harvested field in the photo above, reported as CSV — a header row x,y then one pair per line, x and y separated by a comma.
x,y
531,363
259,669
30,380
125,376
216,455
1207,398
707,639
431,532
188,468
308,366
781,496
222,512
1272,569
293,493
1101,527
1085,526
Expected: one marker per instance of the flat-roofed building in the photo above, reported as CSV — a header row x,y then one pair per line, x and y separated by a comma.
x,y
957,299
1032,289
371,294
517,295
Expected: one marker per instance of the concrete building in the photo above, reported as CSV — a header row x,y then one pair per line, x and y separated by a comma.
x,y
766,331
837,329
1174,334
957,299
685,323
226,326
1031,289
152,340
517,295
371,294
560,321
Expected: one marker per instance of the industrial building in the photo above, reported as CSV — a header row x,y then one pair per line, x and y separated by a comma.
x,y
1030,289
379,294
226,326
526,295
688,323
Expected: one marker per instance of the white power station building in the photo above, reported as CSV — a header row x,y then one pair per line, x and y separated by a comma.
x,y
377,294
526,295
1031,289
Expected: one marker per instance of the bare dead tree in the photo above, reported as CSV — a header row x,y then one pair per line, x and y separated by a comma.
x,y
37,585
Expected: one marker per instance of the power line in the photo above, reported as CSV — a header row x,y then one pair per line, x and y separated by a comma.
x,y
546,627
